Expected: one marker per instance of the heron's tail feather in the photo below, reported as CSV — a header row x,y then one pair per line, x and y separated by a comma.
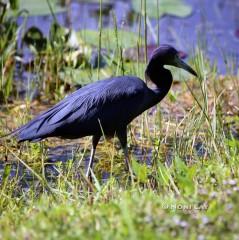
x,y
22,134
8,135
26,132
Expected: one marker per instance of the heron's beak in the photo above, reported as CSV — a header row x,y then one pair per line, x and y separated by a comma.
x,y
181,64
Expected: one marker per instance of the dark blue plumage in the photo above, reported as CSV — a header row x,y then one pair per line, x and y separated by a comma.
x,y
107,106
107,102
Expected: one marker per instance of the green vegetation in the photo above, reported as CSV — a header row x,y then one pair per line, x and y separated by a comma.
x,y
191,189
158,8
39,8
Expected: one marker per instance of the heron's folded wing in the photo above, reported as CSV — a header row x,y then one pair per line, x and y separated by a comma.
x,y
81,105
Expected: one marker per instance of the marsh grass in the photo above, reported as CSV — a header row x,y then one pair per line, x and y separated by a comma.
x,y
189,190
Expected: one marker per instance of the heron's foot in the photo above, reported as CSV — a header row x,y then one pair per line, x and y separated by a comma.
x,y
89,181
89,175
90,178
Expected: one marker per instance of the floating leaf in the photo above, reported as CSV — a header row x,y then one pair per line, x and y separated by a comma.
x,y
172,7
35,7
84,76
95,1
108,38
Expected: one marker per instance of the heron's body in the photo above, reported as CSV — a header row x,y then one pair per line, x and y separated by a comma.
x,y
107,106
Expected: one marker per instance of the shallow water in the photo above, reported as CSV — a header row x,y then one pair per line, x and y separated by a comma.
x,y
58,159
62,154
213,24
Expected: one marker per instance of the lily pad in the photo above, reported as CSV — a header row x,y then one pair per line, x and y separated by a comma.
x,y
35,7
125,39
95,1
84,76
172,7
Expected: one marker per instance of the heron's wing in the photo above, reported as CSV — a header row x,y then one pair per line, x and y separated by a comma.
x,y
81,106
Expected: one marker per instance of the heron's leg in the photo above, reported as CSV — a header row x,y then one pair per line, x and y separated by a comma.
x,y
122,135
95,140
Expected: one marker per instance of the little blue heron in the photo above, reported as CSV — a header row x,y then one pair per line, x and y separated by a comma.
x,y
105,107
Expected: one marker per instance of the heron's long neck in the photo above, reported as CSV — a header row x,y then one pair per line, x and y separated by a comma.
x,y
161,77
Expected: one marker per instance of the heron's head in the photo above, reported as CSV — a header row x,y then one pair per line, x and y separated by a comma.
x,y
167,55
